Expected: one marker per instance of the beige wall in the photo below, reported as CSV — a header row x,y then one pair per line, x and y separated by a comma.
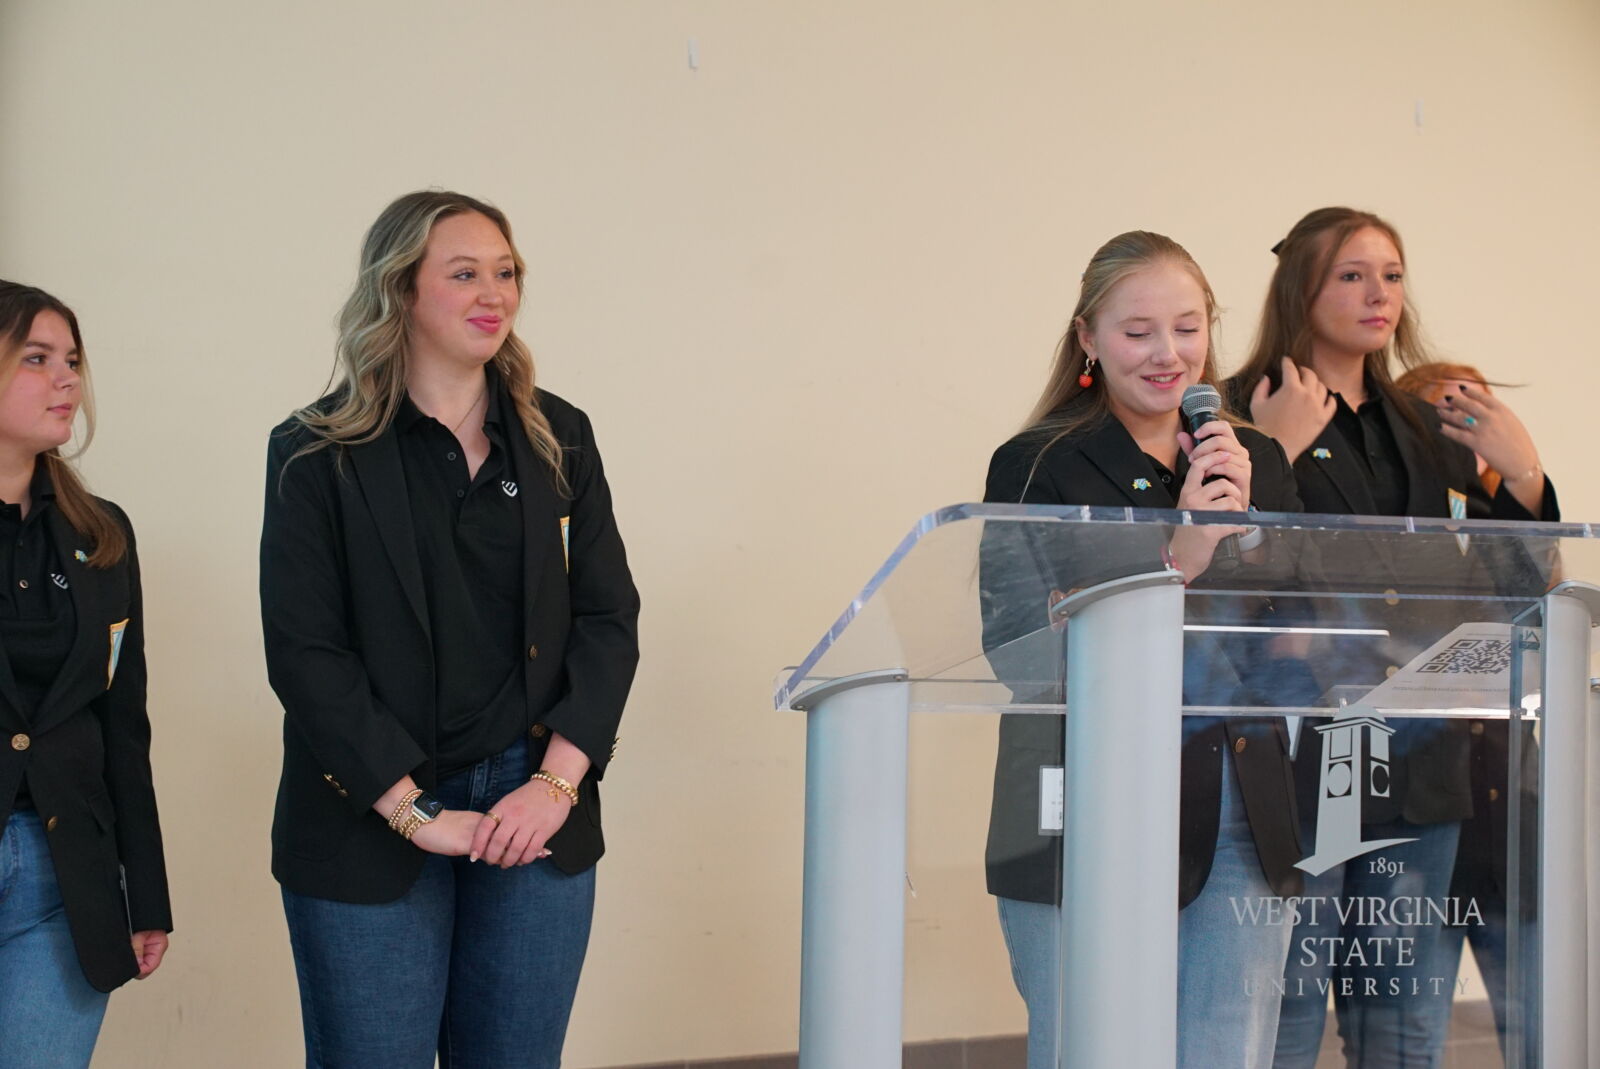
x,y
803,291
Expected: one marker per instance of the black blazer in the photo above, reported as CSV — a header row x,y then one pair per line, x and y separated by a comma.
x,y
1430,759
349,655
85,752
1098,466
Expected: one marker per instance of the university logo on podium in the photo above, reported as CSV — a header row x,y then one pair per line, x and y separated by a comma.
x,y
1355,766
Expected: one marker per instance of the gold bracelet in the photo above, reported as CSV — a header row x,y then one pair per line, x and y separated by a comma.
x,y
409,826
400,810
557,784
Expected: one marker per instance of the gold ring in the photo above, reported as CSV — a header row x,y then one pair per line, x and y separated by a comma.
x,y
492,815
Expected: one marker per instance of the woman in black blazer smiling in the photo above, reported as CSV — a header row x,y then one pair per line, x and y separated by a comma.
x,y
451,628
1106,431
1320,379
83,886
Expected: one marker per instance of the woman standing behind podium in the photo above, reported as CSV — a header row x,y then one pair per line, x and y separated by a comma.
x,y
1320,379
83,884
1106,431
451,628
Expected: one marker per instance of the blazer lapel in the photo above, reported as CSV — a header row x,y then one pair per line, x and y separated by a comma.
x,y
542,512
85,672
1332,459
383,485
1111,449
1425,488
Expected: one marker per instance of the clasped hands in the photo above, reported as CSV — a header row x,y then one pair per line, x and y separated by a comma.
x,y
527,818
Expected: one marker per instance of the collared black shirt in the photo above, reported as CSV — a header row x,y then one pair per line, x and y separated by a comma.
x,y
37,621
469,539
1367,429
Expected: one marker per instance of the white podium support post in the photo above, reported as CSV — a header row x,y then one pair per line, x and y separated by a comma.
x,y
1567,942
1119,958
853,914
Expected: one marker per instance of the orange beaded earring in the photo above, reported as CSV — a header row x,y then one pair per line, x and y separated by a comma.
x,y
1086,379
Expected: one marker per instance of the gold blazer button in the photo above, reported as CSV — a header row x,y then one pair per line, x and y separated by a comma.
x,y
533,651
20,742
50,825
1239,745
538,731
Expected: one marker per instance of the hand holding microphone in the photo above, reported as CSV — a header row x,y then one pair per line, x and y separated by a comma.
x,y
1218,481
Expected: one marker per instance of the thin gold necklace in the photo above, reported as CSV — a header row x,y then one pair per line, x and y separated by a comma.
x,y
470,411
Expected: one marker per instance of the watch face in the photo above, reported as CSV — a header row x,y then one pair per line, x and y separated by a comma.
x,y
427,806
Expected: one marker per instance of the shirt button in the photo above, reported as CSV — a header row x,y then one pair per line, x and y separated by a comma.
x,y
461,493
1239,745
538,731
533,651
449,456
20,742
23,583
1166,478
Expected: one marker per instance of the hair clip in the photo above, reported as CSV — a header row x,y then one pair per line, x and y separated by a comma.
x,y
1278,248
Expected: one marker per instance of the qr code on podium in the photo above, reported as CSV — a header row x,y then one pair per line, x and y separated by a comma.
x,y
1470,656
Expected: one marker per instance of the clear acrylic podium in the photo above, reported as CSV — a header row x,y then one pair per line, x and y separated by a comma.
x,y
1414,680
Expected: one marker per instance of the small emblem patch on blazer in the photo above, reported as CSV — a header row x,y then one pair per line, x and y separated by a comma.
x,y
116,650
509,487
59,580
1321,453
566,539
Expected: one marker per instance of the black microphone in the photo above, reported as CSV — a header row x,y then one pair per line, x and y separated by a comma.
x,y
1200,405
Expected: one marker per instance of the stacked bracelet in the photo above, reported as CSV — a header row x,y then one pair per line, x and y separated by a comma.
x,y
403,808
558,786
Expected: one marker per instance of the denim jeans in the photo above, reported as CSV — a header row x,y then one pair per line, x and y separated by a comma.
x,y
1391,1016
1224,1019
476,964
49,1015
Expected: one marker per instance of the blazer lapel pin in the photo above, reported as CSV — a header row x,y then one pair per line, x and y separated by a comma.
x,y
1141,484
80,556
1321,454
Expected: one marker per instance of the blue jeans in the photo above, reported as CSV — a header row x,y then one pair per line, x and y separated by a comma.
x,y
1392,1015
476,964
1224,966
49,1015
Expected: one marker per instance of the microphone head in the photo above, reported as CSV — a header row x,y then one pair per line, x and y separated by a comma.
x,y
1200,401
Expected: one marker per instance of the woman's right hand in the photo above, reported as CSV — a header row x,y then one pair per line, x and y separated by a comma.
x,y
1296,412
449,834
1222,455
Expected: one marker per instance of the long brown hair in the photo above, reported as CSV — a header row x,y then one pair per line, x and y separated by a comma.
x,y
1054,416
19,306
1305,257
373,351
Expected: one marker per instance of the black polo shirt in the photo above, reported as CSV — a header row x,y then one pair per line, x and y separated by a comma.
x,y
469,541
37,620
1367,429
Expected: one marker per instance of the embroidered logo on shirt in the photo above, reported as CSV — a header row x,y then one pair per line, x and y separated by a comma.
x,y
1321,454
59,580
1141,484
509,487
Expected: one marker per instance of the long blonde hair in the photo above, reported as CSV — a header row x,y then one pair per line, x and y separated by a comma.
x,y
19,306
1054,416
1305,257
373,351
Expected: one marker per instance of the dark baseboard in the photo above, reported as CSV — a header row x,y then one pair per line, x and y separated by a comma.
x,y
988,1052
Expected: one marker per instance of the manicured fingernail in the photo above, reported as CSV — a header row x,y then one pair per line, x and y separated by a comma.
x,y
471,858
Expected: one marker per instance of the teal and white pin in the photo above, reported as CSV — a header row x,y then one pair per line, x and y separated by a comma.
x,y
80,556
1321,454
1141,484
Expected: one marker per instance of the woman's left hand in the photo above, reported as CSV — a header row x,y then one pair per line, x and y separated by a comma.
x,y
529,816
149,948
1486,425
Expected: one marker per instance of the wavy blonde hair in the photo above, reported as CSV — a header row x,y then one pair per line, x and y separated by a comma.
x,y
1122,256
373,352
19,306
